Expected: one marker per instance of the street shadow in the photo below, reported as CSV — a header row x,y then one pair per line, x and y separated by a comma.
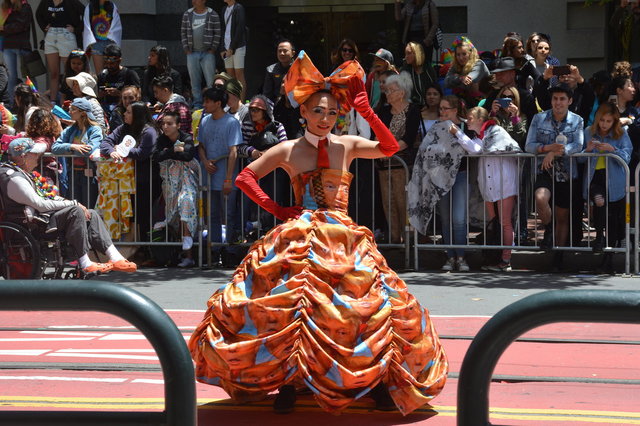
x,y
151,277
307,412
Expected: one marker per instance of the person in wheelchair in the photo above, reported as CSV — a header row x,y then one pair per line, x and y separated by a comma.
x,y
24,194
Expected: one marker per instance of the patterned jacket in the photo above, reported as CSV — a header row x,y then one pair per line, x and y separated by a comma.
x,y
212,30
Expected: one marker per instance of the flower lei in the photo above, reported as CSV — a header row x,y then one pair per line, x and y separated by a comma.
x,y
44,188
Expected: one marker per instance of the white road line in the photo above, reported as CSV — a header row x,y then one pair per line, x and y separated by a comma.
x,y
63,333
23,352
125,350
46,339
114,356
63,379
149,381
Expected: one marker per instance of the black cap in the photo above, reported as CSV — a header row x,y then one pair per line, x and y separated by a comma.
x,y
504,64
562,87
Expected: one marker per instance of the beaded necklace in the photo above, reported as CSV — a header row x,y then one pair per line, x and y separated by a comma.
x,y
43,188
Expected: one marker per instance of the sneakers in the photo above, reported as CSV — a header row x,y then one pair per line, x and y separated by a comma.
x,y
462,265
97,268
500,267
123,265
186,262
187,243
449,265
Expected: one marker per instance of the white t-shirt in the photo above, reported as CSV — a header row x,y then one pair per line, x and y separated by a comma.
x,y
227,29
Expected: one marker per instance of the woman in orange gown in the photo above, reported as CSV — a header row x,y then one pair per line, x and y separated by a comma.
x,y
314,304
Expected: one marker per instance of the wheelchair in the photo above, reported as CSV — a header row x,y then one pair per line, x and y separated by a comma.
x,y
27,252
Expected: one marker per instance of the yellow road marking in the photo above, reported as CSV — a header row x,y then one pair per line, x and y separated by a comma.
x,y
532,414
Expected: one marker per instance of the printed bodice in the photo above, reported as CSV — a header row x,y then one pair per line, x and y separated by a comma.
x,y
322,188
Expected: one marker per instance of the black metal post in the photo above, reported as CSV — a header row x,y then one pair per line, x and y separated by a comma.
x,y
518,318
137,309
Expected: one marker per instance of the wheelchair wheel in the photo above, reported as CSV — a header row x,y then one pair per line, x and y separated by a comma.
x,y
19,253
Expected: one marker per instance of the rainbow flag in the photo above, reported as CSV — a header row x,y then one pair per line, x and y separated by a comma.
x,y
31,85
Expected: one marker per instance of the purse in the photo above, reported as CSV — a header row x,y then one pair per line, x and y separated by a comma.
x,y
31,63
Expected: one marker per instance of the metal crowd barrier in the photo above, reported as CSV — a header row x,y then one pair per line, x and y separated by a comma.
x,y
73,193
138,310
518,219
365,171
601,306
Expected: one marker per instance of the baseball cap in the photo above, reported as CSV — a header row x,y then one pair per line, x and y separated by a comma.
x,y
21,146
84,105
504,64
383,54
258,102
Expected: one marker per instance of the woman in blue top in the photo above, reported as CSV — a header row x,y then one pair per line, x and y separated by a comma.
x,y
81,140
606,177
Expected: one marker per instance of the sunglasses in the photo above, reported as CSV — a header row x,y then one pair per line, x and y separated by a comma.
x,y
347,50
111,58
255,109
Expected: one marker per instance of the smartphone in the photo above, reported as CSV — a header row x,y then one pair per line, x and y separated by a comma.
x,y
504,102
561,70
613,99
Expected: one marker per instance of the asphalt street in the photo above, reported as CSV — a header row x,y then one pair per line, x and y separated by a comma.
x,y
473,293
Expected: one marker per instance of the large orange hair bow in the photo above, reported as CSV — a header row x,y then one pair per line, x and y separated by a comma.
x,y
303,80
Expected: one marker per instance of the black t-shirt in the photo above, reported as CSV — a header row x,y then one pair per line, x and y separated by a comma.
x,y
124,77
58,15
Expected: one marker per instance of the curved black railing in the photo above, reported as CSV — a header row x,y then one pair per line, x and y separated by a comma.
x,y
518,318
139,311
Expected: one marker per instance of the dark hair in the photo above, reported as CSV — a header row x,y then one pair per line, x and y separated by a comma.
x,y
509,46
26,98
163,81
172,113
216,94
68,72
42,123
141,119
336,57
286,40
164,63
94,8
113,50
434,86
618,83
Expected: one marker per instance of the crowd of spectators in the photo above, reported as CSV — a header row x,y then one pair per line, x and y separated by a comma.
x,y
514,97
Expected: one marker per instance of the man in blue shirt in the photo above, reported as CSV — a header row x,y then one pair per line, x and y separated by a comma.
x,y
556,133
219,134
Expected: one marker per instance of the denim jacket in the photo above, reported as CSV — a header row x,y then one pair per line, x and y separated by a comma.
x,y
616,185
543,132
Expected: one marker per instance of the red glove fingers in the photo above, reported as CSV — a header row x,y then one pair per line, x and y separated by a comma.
x,y
360,102
247,181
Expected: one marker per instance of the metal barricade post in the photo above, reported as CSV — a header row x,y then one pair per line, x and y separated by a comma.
x,y
138,310
601,306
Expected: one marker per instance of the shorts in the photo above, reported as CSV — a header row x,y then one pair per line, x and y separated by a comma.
x,y
236,61
560,191
59,40
97,48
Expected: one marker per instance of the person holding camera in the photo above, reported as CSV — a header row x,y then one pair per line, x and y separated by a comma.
x,y
583,94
